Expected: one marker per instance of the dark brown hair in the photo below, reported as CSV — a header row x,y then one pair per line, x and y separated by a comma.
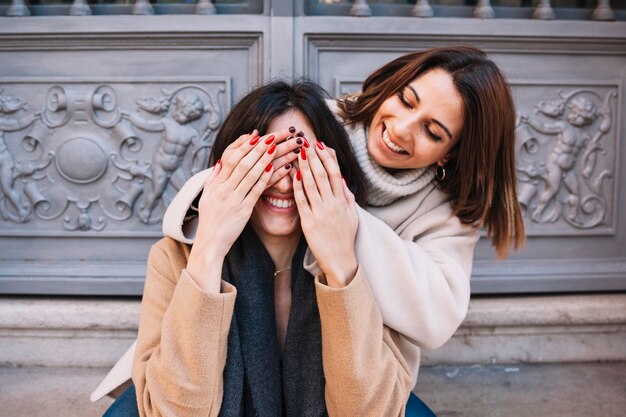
x,y
259,107
480,172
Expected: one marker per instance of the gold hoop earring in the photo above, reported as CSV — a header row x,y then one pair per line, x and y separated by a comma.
x,y
441,173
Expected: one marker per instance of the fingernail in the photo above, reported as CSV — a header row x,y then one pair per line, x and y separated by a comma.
x,y
269,140
299,141
306,143
268,168
300,134
254,140
303,154
272,148
288,166
290,137
320,145
296,151
292,129
298,176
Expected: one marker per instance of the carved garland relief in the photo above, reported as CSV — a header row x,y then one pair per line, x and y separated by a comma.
x,y
83,161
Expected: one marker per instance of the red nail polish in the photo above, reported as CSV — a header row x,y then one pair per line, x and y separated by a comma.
x,y
272,148
269,140
298,176
303,153
254,140
306,143
268,168
320,145
219,161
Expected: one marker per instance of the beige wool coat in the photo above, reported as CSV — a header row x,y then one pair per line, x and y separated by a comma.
x,y
182,341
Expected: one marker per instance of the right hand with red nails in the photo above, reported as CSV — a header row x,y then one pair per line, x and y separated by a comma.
x,y
230,193
327,213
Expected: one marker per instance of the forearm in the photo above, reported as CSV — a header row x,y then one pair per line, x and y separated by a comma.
x,y
149,125
365,373
420,280
181,347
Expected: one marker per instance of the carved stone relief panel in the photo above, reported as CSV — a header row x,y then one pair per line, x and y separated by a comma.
x,y
567,146
101,158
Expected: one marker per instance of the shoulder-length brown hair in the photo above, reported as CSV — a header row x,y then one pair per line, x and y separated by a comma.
x,y
480,172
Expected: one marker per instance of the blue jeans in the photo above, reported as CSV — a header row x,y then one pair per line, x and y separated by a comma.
x,y
416,408
126,406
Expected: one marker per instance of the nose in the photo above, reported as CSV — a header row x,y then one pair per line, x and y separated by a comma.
x,y
406,126
285,184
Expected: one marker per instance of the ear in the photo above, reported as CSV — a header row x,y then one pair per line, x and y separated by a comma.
x,y
443,161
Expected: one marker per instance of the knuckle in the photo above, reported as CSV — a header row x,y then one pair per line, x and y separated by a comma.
x,y
246,164
334,172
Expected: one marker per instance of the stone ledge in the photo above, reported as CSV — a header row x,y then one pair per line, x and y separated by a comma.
x,y
96,332
538,329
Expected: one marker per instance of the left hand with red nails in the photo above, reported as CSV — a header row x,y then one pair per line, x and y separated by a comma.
x,y
327,213
284,157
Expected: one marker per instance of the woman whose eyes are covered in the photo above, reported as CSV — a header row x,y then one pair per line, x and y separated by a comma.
x,y
233,325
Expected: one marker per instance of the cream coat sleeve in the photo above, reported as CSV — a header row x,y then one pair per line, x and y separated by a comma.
x,y
420,270
182,340
364,370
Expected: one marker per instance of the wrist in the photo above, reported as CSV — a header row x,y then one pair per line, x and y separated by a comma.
x,y
340,275
206,271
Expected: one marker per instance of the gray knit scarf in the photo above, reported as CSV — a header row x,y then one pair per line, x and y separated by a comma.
x,y
383,187
257,383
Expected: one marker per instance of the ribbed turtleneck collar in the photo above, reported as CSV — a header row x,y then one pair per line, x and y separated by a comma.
x,y
384,187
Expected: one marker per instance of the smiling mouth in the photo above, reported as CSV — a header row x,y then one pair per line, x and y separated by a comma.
x,y
281,203
392,146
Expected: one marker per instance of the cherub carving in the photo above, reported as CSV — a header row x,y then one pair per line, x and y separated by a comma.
x,y
571,138
178,135
10,105
573,116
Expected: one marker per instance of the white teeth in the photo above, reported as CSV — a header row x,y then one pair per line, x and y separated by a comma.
x,y
392,145
277,202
